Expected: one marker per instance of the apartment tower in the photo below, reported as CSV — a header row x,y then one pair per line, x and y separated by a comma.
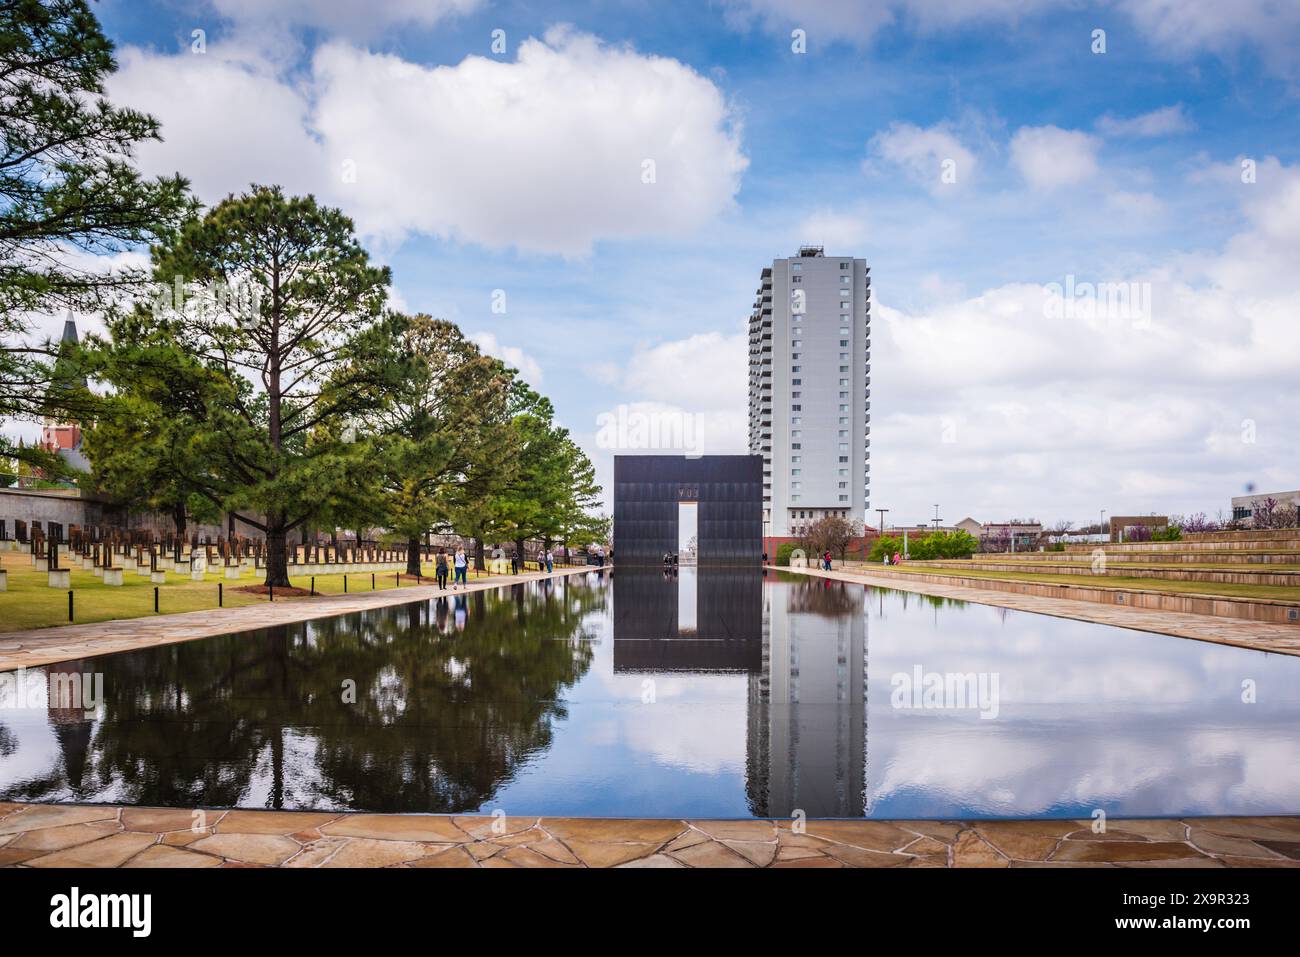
x,y
810,389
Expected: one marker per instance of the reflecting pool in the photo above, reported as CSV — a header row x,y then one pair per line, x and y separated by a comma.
x,y
704,694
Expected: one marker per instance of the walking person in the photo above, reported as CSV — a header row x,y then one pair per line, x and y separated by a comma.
x,y
550,561
461,564
440,569
514,563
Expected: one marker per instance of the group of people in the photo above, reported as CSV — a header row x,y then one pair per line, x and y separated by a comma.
x,y
545,562
458,564
896,560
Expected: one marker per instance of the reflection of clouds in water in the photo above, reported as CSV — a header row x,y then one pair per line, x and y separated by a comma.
x,y
683,738
1090,715
938,766
706,735
1081,663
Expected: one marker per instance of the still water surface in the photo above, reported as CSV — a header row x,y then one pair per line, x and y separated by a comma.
x,y
710,694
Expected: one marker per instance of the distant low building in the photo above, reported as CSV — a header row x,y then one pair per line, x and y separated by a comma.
x,y
1021,534
1244,506
1126,527
969,524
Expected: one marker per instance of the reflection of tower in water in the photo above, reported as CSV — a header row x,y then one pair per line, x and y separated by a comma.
x,y
802,648
807,717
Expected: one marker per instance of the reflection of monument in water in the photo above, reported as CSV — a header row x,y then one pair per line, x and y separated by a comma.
x,y
804,650
690,619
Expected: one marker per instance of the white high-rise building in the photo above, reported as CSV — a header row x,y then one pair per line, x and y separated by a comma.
x,y
810,389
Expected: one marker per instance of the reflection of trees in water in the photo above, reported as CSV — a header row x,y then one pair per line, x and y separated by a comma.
x,y
441,716
934,601
823,596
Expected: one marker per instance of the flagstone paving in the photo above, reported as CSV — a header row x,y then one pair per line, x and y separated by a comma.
x,y
1257,635
40,835
44,646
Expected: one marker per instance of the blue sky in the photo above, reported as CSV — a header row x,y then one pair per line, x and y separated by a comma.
x,y
521,171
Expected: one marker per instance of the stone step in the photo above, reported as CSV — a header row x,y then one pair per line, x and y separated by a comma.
x,y
1158,558
1113,570
1291,543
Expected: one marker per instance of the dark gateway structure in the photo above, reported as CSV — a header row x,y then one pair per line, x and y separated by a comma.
x,y
728,490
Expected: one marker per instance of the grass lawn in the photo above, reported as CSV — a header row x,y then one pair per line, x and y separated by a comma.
x,y
1282,592
31,603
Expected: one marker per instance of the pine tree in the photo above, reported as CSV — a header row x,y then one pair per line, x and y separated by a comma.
x,y
68,188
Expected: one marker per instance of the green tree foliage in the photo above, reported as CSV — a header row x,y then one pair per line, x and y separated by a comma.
x,y
553,490
538,485
957,544
141,438
68,188
440,424
276,299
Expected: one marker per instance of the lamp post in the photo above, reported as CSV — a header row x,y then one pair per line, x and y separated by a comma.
x,y
936,517
881,530
1101,525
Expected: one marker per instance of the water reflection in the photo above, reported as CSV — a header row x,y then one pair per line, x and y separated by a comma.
x,y
700,693
428,706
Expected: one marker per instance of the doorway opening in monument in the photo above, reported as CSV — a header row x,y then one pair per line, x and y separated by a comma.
x,y
688,528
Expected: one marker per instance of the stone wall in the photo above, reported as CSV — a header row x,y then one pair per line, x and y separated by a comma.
x,y
70,507
47,505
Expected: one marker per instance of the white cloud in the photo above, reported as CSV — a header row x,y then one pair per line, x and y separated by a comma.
x,y
227,120
858,23
547,153
516,358
1177,28
704,372
1049,157
1062,416
343,16
1137,207
1183,28
1161,122
834,230
933,156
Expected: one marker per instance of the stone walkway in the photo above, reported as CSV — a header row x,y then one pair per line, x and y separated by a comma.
x,y
1257,635
43,646
47,835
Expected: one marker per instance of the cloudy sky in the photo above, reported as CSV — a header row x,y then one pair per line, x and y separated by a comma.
x,y
591,193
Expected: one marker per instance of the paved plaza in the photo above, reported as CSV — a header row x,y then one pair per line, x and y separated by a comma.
x,y
41,835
